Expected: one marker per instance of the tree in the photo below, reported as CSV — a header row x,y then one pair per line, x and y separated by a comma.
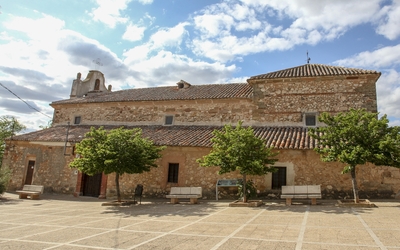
x,y
116,151
9,126
355,138
4,178
237,148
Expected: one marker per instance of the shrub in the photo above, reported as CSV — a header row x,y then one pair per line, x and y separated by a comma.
x,y
4,178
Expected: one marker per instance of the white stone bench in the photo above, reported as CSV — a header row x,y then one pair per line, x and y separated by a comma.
x,y
33,191
301,192
193,193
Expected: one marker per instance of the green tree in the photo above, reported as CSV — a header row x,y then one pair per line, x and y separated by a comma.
x,y
237,148
4,178
355,138
9,126
116,151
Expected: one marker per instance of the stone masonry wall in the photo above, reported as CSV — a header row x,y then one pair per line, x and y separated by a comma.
x,y
275,102
284,101
52,170
308,169
51,167
199,112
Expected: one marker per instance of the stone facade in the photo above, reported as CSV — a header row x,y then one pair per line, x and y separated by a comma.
x,y
304,168
265,100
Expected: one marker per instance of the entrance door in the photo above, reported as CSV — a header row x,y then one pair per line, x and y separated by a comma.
x,y
279,178
29,173
91,185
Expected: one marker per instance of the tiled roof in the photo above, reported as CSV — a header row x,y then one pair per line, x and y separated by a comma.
x,y
310,70
213,91
191,136
194,92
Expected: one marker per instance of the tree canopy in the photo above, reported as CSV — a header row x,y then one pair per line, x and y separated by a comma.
x,y
237,148
9,126
116,151
355,138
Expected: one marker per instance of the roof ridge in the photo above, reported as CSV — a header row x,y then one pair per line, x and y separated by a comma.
x,y
310,70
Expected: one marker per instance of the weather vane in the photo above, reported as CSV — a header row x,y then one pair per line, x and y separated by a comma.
x,y
308,59
98,63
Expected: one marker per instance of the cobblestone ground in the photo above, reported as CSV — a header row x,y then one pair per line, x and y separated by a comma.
x,y
65,222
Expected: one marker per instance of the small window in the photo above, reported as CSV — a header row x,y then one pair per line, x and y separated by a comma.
x,y
173,172
169,119
97,85
311,119
77,120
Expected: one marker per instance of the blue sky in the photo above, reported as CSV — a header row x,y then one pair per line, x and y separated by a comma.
x,y
143,43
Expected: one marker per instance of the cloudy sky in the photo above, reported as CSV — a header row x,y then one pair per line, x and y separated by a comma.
x,y
143,43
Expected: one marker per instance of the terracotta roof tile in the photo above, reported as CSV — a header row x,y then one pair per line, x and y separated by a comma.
x,y
194,92
311,70
190,136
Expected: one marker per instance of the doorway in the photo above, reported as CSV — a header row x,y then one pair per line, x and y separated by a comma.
x,y
29,173
279,178
91,185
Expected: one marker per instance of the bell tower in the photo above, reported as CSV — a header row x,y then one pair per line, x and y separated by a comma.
x,y
93,84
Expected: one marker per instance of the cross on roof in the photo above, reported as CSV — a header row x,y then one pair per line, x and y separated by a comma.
x,y
97,63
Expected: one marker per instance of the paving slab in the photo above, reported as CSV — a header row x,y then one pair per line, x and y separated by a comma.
x,y
65,222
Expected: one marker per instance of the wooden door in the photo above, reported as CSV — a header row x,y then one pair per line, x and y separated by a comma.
x,y
29,173
91,185
279,178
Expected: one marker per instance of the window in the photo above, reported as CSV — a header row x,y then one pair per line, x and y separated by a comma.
x,y
173,171
310,119
77,120
169,120
97,85
279,178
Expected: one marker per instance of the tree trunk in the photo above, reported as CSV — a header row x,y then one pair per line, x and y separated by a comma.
x,y
354,183
117,186
244,189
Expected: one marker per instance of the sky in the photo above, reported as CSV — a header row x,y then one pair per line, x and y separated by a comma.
x,y
148,43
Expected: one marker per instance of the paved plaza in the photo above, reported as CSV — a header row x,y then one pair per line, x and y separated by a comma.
x,y
66,222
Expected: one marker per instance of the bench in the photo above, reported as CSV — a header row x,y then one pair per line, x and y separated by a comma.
x,y
302,192
33,191
193,193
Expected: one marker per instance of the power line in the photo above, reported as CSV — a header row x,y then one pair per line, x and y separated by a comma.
x,y
25,101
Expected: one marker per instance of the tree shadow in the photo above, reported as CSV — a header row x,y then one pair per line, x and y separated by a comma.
x,y
162,208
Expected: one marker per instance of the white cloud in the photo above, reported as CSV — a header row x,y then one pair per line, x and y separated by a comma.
x,y
42,29
169,36
212,25
136,54
390,21
134,33
145,1
380,58
388,89
166,68
298,22
109,12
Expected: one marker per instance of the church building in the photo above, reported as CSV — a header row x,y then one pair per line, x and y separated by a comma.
x,y
280,106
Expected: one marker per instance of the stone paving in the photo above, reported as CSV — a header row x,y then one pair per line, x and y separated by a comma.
x,y
65,222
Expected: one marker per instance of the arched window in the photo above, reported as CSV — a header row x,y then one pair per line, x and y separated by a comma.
x,y
97,85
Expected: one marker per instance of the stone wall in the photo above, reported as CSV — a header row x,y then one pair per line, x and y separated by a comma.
x,y
193,112
52,170
284,101
275,102
308,169
51,167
